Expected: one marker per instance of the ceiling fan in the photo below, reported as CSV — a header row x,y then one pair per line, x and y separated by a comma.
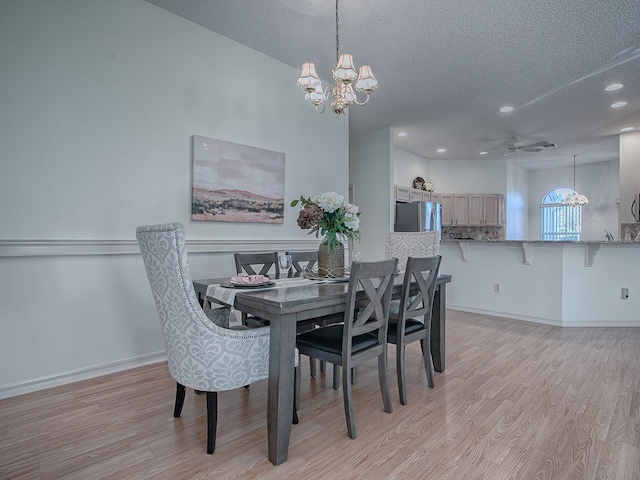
x,y
517,145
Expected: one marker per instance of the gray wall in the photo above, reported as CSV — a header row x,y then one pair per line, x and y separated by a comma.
x,y
99,103
371,172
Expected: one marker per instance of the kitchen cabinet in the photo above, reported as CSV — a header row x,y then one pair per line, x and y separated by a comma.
x,y
403,193
460,210
493,209
476,210
415,195
446,212
407,194
455,209
472,209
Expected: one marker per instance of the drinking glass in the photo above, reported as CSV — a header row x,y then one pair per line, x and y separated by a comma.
x,y
356,256
285,262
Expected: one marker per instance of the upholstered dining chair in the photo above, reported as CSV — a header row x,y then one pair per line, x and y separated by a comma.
x,y
413,322
363,334
201,355
403,245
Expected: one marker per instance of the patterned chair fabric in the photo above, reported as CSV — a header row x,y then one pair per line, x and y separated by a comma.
x,y
201,354
403,245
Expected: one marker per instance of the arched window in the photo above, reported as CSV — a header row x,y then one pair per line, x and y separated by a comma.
x,y
557,221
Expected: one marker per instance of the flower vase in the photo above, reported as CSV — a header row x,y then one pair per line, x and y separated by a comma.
x,y
331,262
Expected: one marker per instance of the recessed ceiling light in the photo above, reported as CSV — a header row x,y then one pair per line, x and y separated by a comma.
x,y
442,150
613,86
483,153
618,104
403,134
506,109
626,129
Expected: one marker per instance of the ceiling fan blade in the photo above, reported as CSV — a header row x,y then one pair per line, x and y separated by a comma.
x,y
537,144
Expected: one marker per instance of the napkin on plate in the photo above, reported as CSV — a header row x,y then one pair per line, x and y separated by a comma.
x,y
249,279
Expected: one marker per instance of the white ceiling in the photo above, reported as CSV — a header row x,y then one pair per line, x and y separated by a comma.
x,y
445,68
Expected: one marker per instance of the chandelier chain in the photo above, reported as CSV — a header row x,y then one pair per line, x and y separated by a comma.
x,y
337,36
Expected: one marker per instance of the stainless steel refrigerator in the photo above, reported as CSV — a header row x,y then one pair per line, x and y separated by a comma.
x,y
418,217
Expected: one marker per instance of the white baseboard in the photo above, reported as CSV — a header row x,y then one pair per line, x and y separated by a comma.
x,y
514,316
550,321
601,323
65,378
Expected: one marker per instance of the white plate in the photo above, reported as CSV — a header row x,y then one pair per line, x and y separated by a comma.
x,y
248,285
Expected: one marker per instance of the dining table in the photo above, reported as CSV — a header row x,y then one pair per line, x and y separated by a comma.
x,y
291,301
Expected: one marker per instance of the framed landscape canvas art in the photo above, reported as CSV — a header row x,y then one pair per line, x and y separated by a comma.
x,y
236,183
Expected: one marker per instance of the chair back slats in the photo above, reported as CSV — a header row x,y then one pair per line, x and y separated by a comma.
x,y
375,279
424,272
299,258
263,263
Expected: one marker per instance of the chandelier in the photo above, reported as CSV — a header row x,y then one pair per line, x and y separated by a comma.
x,y
344,75
575,198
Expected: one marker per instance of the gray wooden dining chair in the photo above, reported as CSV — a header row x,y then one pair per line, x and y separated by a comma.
x,y
363,334
302,262
256,264
201,355
413,322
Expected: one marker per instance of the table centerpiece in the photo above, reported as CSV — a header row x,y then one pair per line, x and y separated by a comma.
x,y
330,216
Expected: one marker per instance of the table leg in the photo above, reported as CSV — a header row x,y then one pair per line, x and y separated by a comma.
x,y
438,323
281,384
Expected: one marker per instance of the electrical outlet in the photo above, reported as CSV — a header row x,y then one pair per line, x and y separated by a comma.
x,y
497,288
624,293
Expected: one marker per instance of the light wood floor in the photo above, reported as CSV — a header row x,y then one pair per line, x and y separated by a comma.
x,y
517,401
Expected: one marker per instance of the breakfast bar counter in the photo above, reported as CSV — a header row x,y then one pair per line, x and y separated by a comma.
x,y
591,247
558,283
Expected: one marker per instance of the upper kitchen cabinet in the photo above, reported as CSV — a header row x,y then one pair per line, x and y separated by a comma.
x,y
461,209
472,210
476,210
446,210
403,194
493,210
455,209
407,194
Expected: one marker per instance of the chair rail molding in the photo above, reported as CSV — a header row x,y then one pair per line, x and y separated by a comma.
x,y
52,248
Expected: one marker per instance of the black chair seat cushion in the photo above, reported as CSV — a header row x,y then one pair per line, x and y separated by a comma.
x,y
257,322
411,326
329,339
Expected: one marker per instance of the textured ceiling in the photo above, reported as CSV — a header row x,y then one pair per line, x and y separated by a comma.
x,y
445,68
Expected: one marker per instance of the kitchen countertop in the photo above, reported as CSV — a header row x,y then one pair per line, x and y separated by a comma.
x,y
577,242
591,246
